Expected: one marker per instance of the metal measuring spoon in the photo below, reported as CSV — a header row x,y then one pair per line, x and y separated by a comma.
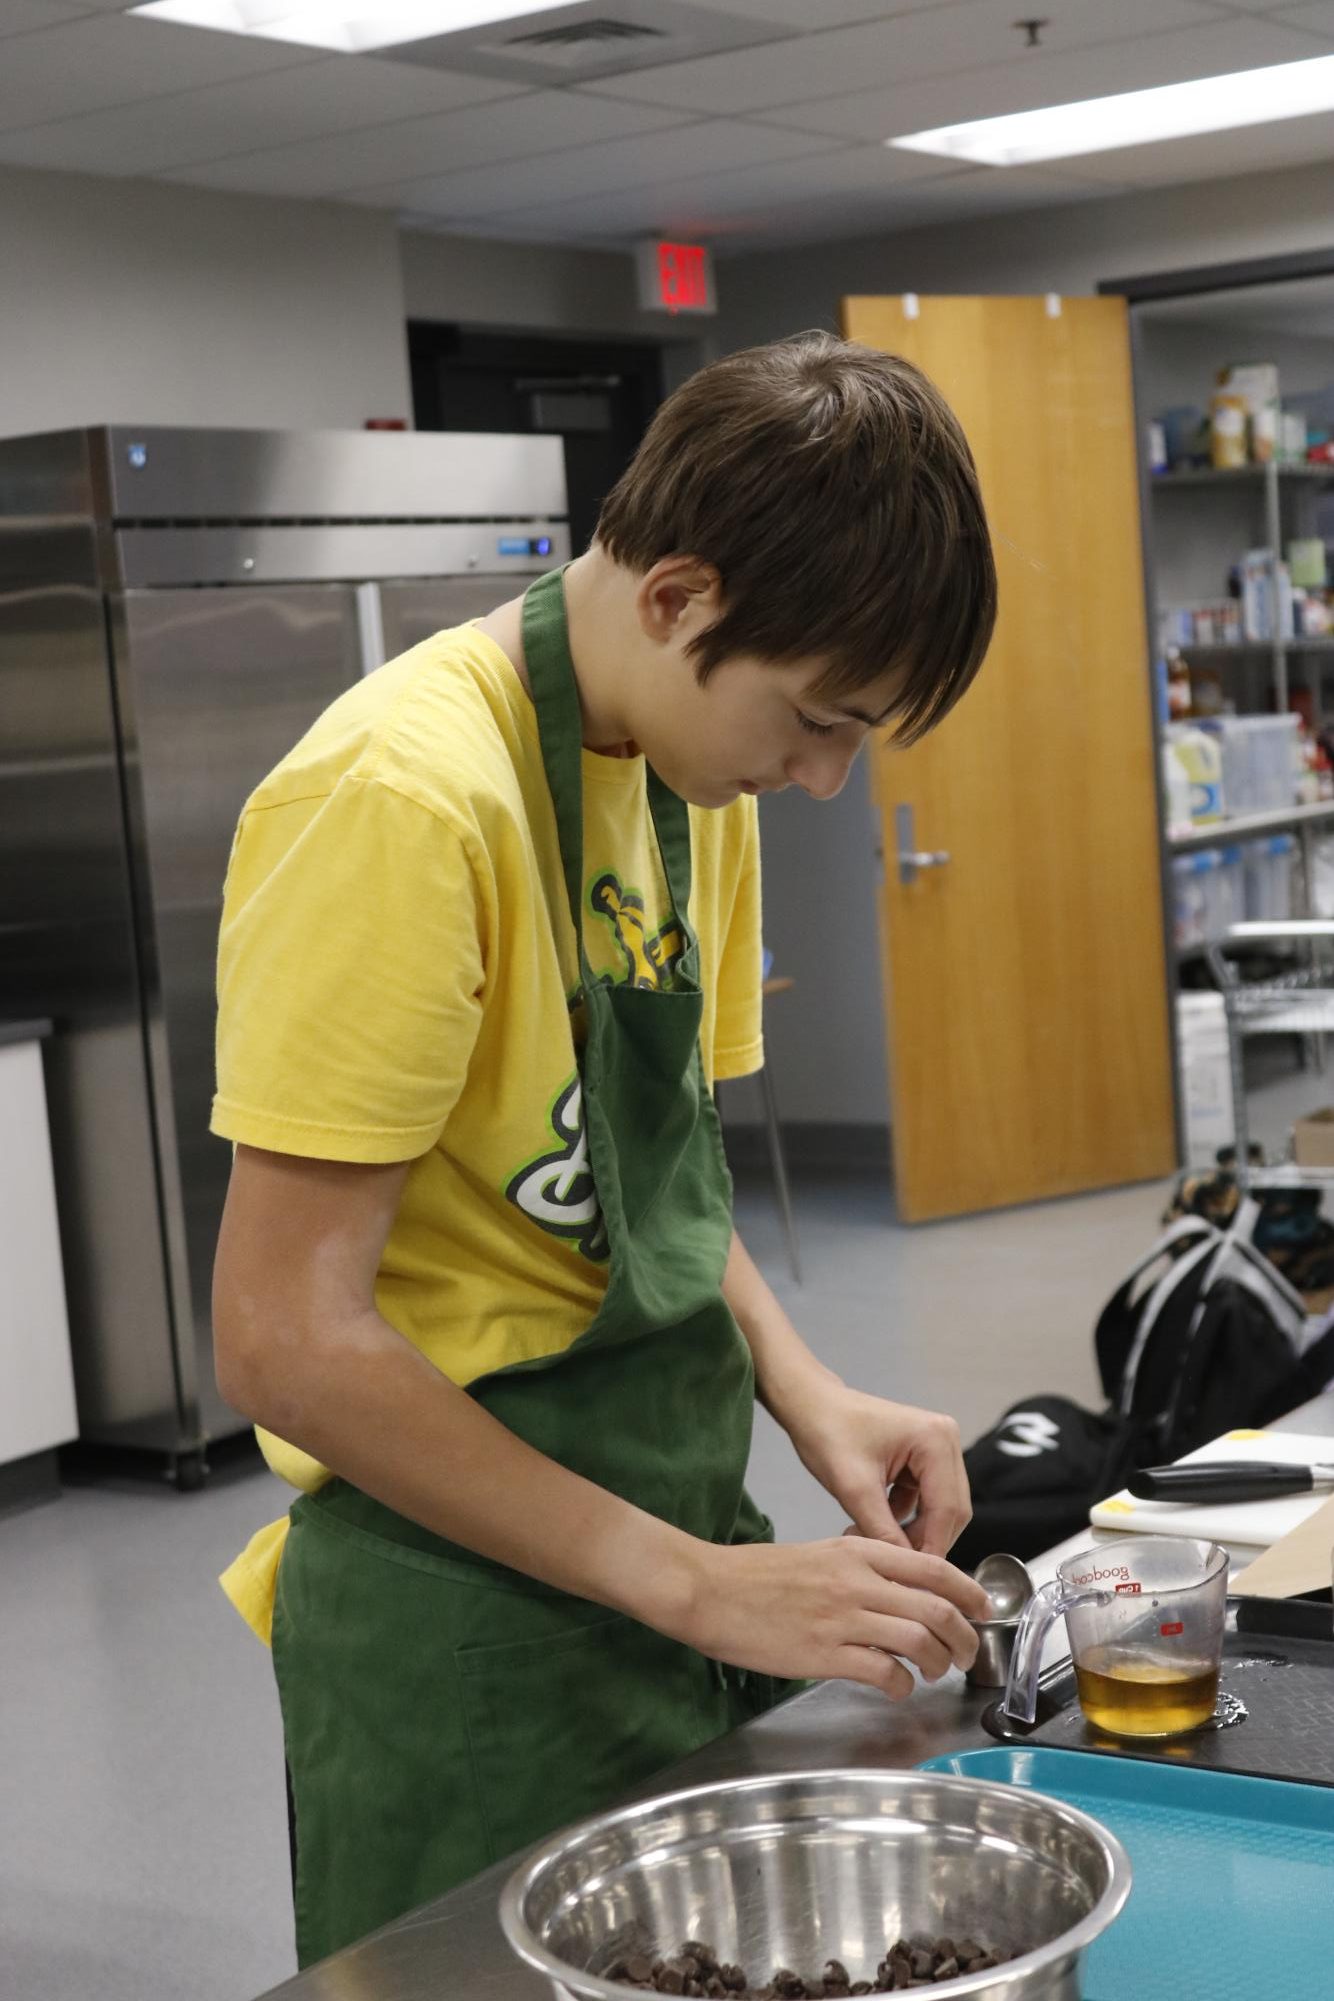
x,y
1009,1587
1007,1584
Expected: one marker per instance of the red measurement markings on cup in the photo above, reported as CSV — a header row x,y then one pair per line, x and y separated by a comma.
x,y
1129,1590
1171,1629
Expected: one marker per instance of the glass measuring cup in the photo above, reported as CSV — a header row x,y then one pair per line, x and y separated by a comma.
x,y
1145,1621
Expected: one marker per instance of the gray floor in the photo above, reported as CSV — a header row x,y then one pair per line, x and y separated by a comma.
x,y
142,1834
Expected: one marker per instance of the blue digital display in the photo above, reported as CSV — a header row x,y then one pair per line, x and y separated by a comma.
x,y
525,545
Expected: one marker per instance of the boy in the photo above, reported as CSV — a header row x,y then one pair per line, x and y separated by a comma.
x,y
490,934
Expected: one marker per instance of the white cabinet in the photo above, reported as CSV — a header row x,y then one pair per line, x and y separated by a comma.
x,y
36,1379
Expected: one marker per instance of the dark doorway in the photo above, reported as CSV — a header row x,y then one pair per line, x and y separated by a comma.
x,y
597,395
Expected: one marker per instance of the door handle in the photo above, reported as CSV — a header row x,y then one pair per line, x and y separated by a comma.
x,y
913,859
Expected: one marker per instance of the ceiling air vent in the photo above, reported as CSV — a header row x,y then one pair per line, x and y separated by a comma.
x,y
570,44
578,43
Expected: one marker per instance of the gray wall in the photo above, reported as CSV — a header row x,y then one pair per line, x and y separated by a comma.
x,y
820,923
137,302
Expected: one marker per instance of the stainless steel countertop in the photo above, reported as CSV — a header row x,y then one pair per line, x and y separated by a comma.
x,y
454,1945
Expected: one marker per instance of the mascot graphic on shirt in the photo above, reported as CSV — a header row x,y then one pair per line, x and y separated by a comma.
x,y
650,959
556,1190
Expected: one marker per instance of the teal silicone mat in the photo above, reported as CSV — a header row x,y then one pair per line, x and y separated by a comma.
x,y
1233,1897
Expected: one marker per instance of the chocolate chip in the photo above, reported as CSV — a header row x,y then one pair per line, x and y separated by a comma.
x,y
923,1962
639,1969
671,1981
948,1969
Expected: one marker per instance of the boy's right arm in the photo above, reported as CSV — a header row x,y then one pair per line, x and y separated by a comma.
x,y
301,1349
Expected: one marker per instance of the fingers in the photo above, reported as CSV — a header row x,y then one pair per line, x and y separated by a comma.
x,y
872,1515
945,1507
927,1574
924,1631
874,1670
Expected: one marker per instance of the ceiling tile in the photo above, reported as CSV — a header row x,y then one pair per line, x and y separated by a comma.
x,y
418,148
1318,18
111,59
1055,78
714,147
618,218
931,41
19,17
339,94
805,16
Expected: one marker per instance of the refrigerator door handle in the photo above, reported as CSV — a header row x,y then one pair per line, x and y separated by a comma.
x,y
370,627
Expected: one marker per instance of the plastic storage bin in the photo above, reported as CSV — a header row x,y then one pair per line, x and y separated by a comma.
x,y
1267,876
1259,762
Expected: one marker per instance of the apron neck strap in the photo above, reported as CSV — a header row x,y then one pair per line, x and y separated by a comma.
x,y
555,693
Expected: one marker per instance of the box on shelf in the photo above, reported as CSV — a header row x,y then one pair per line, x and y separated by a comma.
x,y
1206,1077
1313,1139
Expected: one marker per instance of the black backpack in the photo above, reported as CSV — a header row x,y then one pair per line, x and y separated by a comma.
x,y
1203,1337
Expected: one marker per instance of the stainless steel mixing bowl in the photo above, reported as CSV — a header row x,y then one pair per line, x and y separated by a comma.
x,y
805,1867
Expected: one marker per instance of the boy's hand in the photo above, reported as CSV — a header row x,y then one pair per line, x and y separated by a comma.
x,y
882,1461
838,1609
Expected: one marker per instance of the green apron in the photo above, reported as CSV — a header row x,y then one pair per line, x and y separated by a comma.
x,y
440,1710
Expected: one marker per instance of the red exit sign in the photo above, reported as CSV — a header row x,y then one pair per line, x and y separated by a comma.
x,y
676,278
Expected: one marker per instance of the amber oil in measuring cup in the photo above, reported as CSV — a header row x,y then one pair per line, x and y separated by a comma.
x,y
1143,1698
1145,1620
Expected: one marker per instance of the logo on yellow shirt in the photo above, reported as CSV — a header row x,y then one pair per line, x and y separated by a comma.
x,y
651,958
556,1190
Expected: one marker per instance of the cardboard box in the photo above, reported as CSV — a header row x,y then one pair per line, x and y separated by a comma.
x,y
1313,1139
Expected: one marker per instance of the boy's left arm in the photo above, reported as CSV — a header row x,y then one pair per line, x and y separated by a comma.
x,y
880,1460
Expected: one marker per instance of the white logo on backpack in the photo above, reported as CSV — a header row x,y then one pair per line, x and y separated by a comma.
x,y
1034,1433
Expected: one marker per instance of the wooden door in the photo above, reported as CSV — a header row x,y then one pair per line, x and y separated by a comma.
x,y
1025,980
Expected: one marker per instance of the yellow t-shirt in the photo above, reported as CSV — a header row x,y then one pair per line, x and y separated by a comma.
x,y
398,980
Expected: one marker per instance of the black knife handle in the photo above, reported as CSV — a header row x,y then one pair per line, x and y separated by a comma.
x,y
1240,1480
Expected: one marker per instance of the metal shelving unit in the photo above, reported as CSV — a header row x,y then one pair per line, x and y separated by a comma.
x,y
1271,479
1254,826
1297,1003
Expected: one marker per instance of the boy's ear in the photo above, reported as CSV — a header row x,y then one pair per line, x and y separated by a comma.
x,y
678,598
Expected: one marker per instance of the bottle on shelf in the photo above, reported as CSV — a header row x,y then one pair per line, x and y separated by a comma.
x,y
1201,758
1176,791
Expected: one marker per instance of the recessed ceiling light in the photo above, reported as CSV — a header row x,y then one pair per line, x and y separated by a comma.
x,y
1136,117
352,26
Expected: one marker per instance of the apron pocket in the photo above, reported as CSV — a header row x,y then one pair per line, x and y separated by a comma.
x,y
562,1726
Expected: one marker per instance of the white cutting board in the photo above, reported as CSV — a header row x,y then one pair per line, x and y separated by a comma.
x,y
1252,1524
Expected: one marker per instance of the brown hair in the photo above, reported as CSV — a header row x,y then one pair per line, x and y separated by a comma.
x,y
831,487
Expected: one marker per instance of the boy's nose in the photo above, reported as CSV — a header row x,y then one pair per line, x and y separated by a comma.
x,y
823,772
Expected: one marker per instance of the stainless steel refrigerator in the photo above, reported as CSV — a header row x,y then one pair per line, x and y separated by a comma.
x,y
176,607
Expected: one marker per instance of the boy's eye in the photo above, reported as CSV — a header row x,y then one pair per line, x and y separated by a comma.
x,y
816,729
